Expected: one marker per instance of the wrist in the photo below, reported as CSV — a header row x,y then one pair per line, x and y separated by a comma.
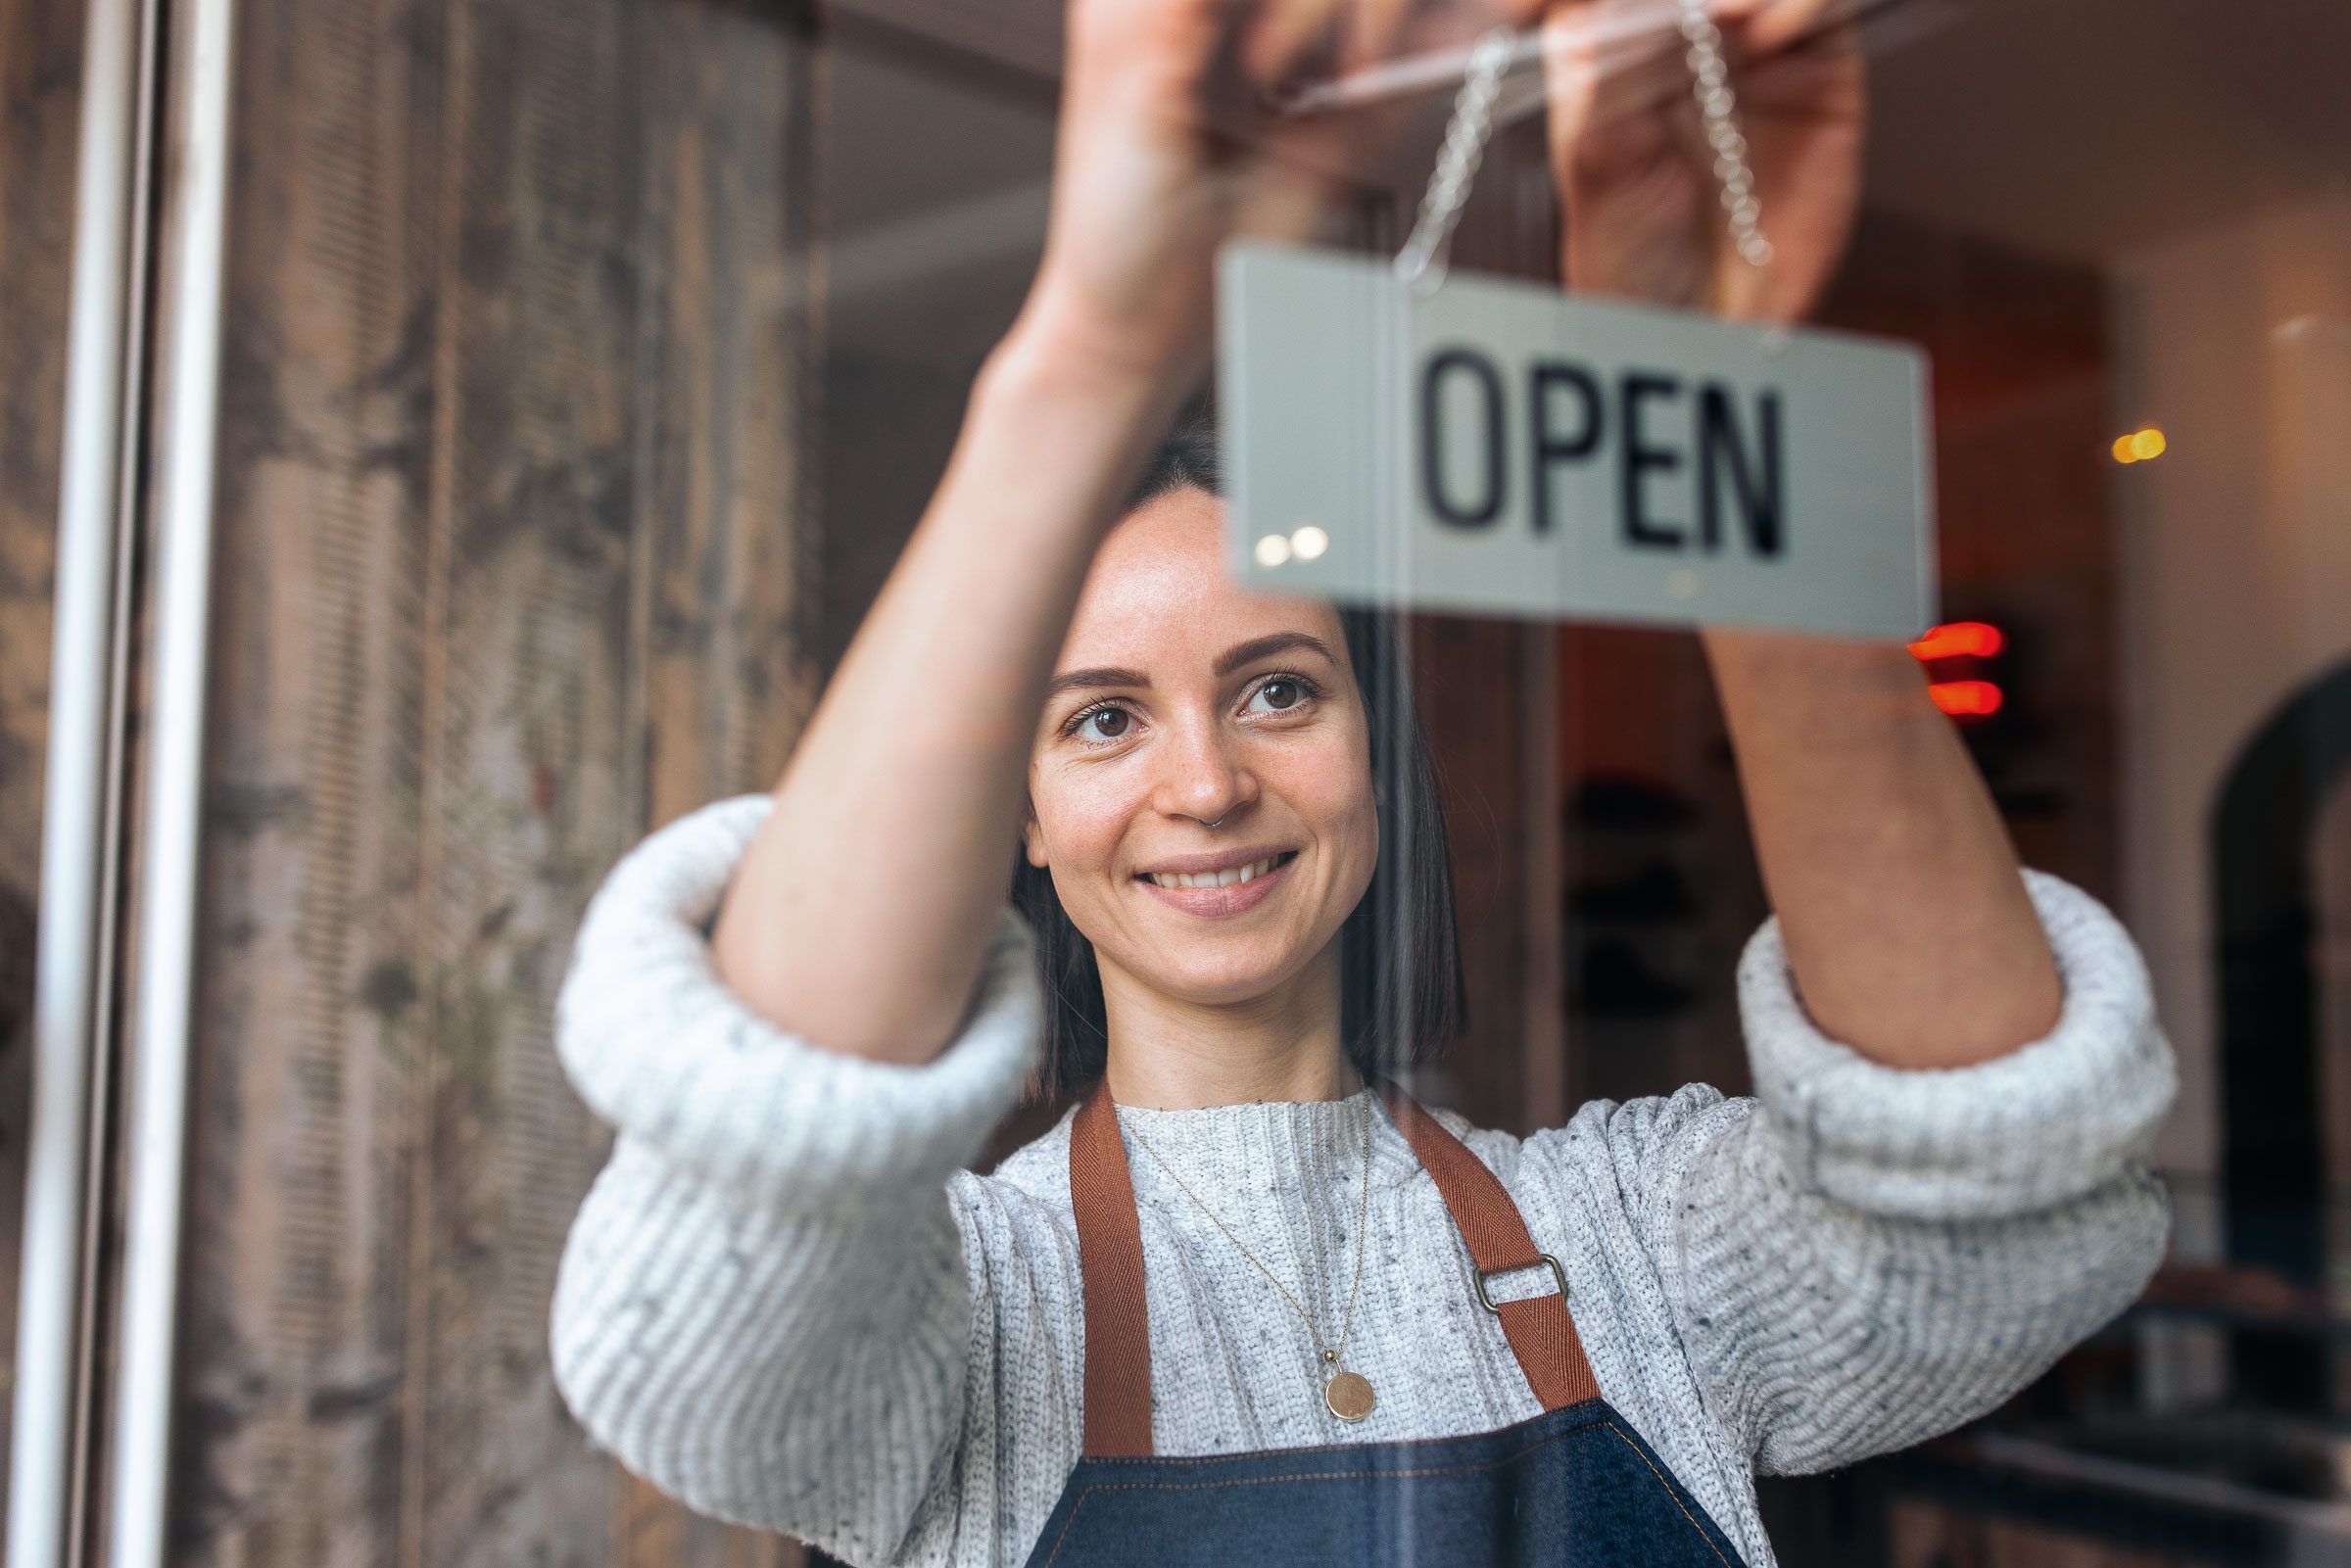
x,y
1055,372
1066,337
1034,380
1792,669
1040,391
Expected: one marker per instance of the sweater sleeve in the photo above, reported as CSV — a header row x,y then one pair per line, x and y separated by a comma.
x,y
763,1305
1864,1255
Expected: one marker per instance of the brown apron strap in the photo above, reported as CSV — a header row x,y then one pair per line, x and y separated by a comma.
x,y
1110,1260
1118,1321
1541,1332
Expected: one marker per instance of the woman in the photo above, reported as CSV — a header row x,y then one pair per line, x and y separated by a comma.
x,y
1248,1298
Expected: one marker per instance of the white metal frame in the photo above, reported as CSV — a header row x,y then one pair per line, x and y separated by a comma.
x,y
171,844
83,787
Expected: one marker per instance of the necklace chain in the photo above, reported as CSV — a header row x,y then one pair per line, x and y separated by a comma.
x,y
1422,263
1330,1352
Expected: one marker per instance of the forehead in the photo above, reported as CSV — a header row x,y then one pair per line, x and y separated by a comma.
x,y
1159,593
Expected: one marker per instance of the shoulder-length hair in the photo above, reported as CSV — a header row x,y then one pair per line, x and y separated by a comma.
x,y
1403,998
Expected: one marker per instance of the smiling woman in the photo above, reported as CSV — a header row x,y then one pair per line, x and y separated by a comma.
x,y
1248,1299
1320,715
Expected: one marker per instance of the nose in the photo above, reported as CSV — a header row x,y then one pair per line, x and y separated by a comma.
x,y
1204,775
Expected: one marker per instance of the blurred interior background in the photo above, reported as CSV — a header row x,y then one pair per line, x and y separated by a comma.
x,y
582,366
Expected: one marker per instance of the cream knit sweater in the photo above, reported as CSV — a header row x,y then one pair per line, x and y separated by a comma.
x,y
784,1302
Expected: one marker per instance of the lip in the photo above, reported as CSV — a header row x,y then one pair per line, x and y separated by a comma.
x,y
1217,903
1217,859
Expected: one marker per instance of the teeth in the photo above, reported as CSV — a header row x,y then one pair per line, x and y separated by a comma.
x,y
1214,879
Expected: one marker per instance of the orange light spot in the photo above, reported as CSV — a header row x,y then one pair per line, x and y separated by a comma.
x,y
2147,444
1966,698
1960,639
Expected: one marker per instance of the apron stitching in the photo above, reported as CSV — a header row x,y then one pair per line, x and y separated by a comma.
x,y
1595,1420
1677,1502
1348,1475
1267,1481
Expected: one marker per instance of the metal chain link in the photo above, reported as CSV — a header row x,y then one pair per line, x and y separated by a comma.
x,y
1422,263
1716,104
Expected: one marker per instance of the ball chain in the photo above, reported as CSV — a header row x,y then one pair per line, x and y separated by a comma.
x,y
1711,77
1423,261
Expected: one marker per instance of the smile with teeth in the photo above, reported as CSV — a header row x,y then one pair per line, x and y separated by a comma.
x,y
1219,878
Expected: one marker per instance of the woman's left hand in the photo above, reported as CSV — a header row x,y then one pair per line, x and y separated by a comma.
x,y
1641,203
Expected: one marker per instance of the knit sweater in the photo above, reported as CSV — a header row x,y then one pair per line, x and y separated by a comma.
x,y
786,1302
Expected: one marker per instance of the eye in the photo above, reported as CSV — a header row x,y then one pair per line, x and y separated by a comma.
x,y
1283,694
1099,722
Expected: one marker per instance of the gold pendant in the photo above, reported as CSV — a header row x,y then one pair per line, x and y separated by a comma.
x,y
1349,1396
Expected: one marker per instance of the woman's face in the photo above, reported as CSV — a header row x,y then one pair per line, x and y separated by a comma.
x,y
1181,699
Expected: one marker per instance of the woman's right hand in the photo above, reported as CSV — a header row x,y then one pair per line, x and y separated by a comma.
x,y
1169,145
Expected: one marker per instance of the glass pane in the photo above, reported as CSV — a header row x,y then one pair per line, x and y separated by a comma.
x,y
590,367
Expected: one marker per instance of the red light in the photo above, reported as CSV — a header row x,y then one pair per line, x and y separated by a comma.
x,y
1960,639
1966,698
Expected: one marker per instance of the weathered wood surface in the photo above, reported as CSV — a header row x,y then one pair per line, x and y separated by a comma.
x,y
512,510
40,82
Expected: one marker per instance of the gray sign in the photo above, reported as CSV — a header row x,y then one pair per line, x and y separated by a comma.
x,y
1498,448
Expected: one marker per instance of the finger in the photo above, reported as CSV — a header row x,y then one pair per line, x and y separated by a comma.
x,y
1111,40
1286,38
1517,13
1597,98
1372,29
1571,80
1820,70
1773,25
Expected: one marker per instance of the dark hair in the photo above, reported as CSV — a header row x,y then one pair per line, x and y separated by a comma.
x,y
1401,992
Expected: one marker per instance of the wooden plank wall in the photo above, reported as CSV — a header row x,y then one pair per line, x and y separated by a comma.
x,y
40,82
514,497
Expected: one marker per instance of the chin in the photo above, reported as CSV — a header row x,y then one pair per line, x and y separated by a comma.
x,y
1228,978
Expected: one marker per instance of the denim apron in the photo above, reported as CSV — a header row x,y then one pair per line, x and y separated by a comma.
x,y
1575,1485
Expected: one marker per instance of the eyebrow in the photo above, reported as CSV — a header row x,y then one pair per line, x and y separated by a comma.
x,y
1231,659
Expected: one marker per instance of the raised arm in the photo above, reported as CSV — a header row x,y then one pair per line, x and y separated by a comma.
x,y
860,915
1943,1181
802,1012
1900,907
862,911
1898,891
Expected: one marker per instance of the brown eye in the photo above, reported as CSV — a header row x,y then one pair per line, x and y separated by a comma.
x,y
1283,693
1106,724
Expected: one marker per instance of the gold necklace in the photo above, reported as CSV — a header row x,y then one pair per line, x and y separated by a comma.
x,y
1346,1395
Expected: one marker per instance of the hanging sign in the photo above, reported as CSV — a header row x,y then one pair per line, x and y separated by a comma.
x,y
1498,448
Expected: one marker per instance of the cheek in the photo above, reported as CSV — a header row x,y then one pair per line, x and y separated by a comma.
x,y
1332,794
1081,814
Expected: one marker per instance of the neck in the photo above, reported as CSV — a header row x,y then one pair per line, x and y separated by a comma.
x,y
1169,1054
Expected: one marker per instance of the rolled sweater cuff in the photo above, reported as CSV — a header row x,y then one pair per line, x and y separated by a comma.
x,y
661,1048
2026,1130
